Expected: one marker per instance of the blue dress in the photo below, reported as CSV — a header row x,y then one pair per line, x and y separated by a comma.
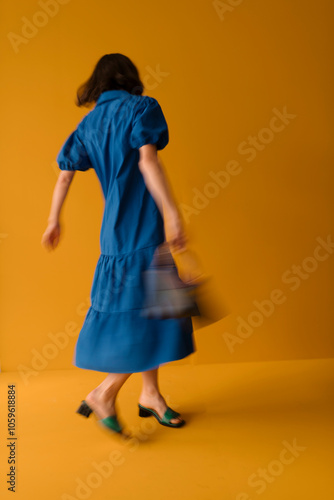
x,y
115,337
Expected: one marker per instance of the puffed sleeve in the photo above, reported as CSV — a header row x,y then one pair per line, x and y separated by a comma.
x,y
73,154
149,125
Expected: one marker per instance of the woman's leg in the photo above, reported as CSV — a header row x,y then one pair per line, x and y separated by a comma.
x,y
150,395
102,398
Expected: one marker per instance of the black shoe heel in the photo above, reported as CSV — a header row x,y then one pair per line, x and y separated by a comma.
x,y
144,413
84,409
165,420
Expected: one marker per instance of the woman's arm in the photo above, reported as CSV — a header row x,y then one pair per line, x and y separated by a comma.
x,y
157,183
50,238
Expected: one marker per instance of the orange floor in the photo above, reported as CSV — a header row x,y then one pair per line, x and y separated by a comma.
x,y
254,430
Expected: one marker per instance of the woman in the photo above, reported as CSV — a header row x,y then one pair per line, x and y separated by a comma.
x,y
119,138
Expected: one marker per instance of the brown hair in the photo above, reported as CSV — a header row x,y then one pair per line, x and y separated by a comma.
x,y
112,72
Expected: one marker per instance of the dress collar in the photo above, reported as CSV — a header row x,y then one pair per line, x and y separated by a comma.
x,y
110,95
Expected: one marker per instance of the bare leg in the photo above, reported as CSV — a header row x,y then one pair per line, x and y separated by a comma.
x,y
102,398
150,395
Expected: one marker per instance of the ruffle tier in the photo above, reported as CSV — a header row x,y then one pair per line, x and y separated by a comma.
x,y
125,342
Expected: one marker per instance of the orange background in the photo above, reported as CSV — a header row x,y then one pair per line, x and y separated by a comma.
x,y
219,77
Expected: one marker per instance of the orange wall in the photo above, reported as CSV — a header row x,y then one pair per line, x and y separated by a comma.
x,y
255,187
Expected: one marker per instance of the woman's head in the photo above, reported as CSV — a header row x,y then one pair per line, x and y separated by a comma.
x,y
112,72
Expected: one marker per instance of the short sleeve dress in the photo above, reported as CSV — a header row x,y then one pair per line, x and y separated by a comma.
x,y
115,337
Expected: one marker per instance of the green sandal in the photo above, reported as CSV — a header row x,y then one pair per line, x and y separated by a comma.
x,y
110,422
165,420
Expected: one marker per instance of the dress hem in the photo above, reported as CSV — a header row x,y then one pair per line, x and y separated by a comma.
x,y
77,365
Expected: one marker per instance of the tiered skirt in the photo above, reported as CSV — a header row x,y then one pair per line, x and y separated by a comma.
x,y
115,336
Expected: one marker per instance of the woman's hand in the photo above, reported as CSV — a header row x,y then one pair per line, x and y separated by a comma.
x,y
175,233
50,238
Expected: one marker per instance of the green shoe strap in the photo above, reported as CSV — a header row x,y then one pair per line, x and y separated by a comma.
x,y
112,423
169,415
